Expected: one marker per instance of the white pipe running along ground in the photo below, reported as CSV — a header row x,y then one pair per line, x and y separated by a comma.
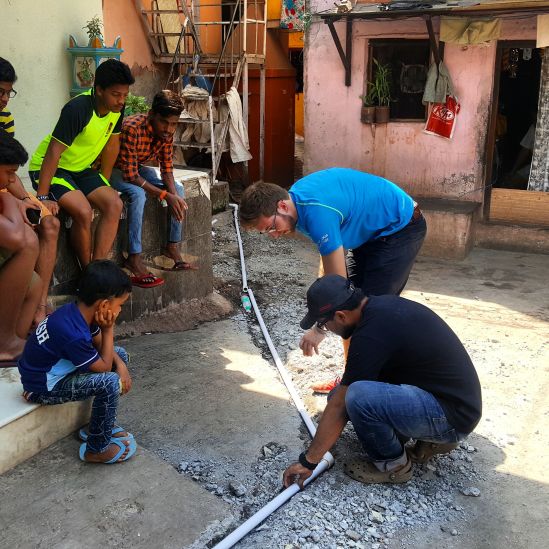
x,y
327,460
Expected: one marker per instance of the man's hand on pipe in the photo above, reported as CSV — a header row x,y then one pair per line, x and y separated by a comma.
x,y
296,473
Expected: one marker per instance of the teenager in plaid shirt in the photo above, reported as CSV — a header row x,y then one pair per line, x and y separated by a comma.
x,y
148,138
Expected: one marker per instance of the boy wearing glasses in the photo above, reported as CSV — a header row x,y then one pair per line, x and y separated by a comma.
x,y
48,226
7,78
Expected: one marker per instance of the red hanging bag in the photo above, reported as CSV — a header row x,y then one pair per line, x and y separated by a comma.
x,y
442,118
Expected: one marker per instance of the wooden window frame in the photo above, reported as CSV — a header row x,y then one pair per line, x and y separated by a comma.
x,y
377,42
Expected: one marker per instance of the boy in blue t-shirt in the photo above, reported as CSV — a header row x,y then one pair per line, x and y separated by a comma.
x,y
72,357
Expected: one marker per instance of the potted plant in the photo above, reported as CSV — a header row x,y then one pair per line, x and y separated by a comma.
x,y
382,85
136,104
85,59
94,31
368,110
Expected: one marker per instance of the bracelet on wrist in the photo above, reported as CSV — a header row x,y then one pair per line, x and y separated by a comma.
x,y
306,463
43,197
162,195
25,198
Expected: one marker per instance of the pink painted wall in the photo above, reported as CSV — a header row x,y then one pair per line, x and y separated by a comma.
x,y
424,165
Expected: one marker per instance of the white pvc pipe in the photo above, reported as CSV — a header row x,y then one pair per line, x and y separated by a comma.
x,y
327,460
239,239
246,527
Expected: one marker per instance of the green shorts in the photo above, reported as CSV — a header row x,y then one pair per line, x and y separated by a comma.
x,y
63,181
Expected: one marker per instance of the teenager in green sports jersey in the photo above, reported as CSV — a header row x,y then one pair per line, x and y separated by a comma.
x,y
64,167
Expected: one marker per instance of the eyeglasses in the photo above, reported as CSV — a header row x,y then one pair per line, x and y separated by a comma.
x,y
10,93
272,228
321,324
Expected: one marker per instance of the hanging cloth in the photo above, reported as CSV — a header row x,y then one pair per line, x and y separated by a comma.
x,y
462,30
292,15
438,85
238,134
539,170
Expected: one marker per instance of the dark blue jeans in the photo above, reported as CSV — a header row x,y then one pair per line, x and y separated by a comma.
x,y
104,387
382,266
384,414
135,198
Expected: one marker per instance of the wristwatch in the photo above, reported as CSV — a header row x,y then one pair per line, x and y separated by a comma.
x,y
43,197
306,463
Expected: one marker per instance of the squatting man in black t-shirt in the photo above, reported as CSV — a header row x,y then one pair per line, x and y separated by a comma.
x,y
407,376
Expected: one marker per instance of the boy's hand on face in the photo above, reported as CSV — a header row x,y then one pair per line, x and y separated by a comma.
x,y
105,318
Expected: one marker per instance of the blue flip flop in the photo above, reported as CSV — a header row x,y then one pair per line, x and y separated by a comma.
x,y
132,448
83,435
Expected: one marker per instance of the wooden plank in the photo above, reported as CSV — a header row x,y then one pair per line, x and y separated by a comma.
x,y
147,27
524,207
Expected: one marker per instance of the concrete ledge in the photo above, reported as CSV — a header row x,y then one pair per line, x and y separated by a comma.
x,y
26,429
179,286
219,195
450,227
516,238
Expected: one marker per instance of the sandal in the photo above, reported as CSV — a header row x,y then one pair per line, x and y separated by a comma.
x,y
368,473
178,265
183,266
147,281
422,450
132,447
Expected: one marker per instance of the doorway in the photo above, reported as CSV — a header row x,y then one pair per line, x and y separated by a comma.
x,y
514,116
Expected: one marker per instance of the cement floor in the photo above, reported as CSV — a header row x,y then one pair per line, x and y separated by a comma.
x,y
208,395
200,394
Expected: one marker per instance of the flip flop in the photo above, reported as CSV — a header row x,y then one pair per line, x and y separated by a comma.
x,y
183,266
132,447
83,434
178,265
147,281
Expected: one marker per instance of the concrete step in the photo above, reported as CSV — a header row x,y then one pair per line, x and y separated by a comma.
x,y
26,429
450,227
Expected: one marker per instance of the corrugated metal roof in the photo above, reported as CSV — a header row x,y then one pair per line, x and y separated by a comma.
x,y
415,8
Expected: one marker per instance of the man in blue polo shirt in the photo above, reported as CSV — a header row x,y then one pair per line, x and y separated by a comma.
x,y
365,228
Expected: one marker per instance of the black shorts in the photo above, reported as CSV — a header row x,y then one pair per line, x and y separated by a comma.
x,y
64,181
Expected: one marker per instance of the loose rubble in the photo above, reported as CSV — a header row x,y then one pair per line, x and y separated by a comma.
x,y
334,511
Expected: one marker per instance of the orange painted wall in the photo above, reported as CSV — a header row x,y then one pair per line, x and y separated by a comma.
x,y
121,18
274,9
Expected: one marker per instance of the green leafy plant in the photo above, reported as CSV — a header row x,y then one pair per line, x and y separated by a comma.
x,y
382,83
136,104
94,28
370,97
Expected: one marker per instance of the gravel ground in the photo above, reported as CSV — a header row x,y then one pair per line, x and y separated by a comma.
x,y
334,511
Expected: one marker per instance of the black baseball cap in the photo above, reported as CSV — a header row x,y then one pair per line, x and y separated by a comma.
x,y
326,296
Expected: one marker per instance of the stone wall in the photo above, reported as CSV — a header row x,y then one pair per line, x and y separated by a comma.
x,y
179,286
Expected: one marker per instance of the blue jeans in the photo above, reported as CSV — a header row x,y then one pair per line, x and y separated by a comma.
x,y
382,266
384,414
135,197
104,387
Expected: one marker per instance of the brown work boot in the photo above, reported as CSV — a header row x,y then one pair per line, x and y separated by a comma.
x,y
422,450
368,473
